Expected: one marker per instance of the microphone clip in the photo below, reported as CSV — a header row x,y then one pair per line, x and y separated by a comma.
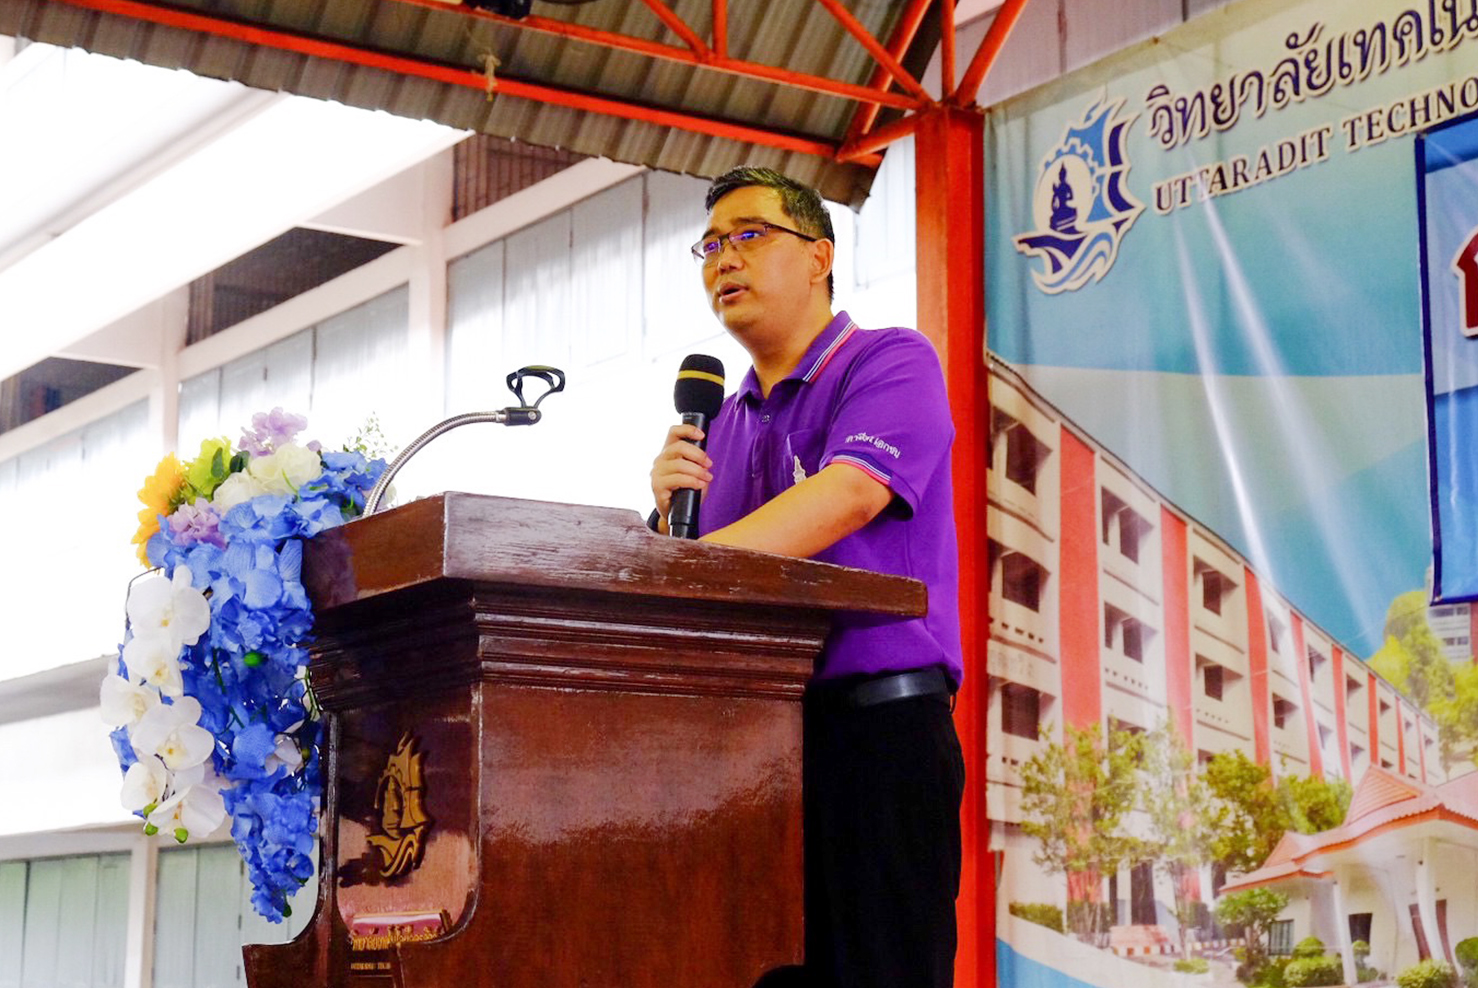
x,y
521,414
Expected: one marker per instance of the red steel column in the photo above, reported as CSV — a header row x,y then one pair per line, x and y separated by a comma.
x,y
1257,666
950,200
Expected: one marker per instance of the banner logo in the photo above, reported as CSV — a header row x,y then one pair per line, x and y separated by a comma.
x,y
1465,266
1081,204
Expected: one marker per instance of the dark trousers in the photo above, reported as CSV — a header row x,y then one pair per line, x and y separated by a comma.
x,y
882,790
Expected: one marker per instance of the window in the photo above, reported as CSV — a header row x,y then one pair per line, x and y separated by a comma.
x,y
1214,586
1445,611
1275,635
1134,640
1356,752
65,919
1128,523
1316,662
1280,938
1133,635
1360,927
1352,686
1021,580
1024,452
1385,708
1021,709
1283,710
1213,680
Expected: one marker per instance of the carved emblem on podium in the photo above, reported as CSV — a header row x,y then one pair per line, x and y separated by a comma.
x,y
400,799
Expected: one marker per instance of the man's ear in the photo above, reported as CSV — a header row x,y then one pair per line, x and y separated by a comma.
x,y
823,254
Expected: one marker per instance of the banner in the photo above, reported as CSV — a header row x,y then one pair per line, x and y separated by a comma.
x,y
1215,668
1447,166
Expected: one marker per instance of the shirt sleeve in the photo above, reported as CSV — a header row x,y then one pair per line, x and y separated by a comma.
x,y
891,417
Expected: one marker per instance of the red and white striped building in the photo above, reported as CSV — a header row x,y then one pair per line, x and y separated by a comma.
x,y
1112,607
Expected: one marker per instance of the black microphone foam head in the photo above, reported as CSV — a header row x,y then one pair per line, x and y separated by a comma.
x,y
700,385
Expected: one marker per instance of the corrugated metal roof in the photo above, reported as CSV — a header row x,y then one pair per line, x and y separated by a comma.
x,y
796,35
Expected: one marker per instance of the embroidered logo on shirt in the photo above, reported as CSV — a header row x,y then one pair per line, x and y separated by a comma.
x,y
886,447
800,471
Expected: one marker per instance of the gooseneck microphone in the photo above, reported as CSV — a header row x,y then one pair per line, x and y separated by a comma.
x,y
698,395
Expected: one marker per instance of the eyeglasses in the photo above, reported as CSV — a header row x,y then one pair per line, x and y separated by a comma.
x,y
744,238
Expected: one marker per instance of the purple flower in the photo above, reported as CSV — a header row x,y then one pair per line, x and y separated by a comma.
x,y
270,430
195,523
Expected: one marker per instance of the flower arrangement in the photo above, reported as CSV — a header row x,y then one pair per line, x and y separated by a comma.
x,y
209,700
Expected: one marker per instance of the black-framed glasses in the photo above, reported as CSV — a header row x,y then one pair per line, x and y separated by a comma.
x,y
745,237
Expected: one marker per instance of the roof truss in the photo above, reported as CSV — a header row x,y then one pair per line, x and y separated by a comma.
x,y
892,88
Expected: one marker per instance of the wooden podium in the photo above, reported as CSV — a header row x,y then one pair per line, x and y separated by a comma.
x,y
561,751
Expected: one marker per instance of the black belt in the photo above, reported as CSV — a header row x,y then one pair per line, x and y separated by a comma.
x,y
883,689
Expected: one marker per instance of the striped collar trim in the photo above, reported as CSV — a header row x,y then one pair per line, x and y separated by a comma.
x,y
825,356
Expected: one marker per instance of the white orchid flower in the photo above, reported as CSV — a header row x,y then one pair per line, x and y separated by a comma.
x,y
155,660
197,810
173,733
144,784
171,607
123,702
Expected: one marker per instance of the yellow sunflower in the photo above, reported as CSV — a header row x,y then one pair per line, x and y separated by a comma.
x,y
159,495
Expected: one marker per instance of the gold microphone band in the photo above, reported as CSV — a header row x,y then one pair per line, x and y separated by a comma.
x,y
701,376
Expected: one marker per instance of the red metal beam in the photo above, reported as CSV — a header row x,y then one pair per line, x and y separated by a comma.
x,y
855,28
946,47
670,118
679,27
457,76
985,55
878,138
721,29
656,49
903,35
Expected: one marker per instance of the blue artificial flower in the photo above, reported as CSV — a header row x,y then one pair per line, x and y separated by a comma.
x,y
247,670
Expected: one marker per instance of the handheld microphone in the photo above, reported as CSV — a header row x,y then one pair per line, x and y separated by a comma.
x,y
698,395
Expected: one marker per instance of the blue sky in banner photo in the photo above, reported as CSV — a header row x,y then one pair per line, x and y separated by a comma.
x,y
1257,355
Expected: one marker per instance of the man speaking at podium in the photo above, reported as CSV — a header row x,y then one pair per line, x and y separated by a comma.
x,y
836,447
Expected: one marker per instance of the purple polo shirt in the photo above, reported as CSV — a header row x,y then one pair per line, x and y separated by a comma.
x,y
875,400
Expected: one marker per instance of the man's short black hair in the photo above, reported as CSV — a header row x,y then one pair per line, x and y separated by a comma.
x,y
800,202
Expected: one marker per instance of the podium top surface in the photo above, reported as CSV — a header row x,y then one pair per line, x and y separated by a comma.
x,y
575,549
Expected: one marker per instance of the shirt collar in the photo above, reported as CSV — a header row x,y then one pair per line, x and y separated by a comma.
x,y
814,361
